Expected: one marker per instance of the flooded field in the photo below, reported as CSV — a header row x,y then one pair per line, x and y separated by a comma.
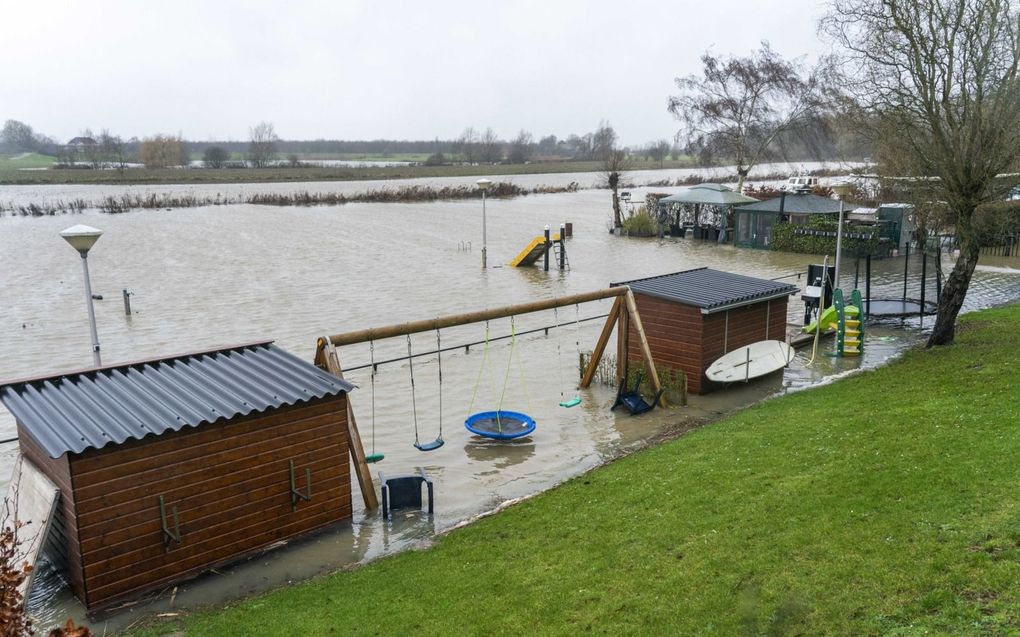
x,y
41,195
212,277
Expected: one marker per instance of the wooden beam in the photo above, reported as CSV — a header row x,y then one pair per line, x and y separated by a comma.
x,y
622,345
600,345
453,320
646,351
326,356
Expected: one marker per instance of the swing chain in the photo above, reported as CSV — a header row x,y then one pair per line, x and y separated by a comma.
x,y
439,354
559,353
371,355
414,404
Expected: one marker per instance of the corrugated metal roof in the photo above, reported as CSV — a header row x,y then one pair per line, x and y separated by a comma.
x,y
91,409
795,204
710,290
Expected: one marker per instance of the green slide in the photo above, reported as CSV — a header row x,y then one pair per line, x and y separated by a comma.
x,y
827,318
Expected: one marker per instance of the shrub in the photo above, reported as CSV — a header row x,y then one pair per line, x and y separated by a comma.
x,y
641,224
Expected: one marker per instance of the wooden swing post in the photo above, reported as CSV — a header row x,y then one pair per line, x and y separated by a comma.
x,y
326,358
623,313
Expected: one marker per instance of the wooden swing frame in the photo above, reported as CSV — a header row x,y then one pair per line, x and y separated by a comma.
x,y
623,313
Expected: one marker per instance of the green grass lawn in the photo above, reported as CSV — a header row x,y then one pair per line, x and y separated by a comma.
x,y
887,503
16,161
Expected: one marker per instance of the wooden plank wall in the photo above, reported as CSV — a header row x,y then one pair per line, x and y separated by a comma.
x,y
682,338
746,325
674,336
64,532
230,482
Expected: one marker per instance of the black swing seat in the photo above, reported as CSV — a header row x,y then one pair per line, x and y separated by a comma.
x,y
430,446
402,492
633,400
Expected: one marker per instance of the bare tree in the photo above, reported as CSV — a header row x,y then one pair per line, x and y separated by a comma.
x,y
657,151
215,157
467,145
90,148
521,148
261,144
603,142
739,106
17,136
163,151
939,77
615,164
490,146
111,150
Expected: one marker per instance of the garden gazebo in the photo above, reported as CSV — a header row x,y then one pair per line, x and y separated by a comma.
x,y
684,210
754,221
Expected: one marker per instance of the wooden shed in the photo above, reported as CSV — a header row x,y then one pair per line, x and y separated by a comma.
x,y
693,317
170,467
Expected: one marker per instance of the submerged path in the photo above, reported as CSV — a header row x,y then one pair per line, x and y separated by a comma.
x,y
885,503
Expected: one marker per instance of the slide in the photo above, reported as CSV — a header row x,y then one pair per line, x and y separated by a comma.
x,y
533,252
827,320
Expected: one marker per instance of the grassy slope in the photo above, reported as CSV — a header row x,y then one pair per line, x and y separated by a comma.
x,y
887,503
249,175
12,162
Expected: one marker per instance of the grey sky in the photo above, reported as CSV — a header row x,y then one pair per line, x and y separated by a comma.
x,y
356,69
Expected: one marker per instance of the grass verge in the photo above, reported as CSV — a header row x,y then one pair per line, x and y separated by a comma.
x,y
886,503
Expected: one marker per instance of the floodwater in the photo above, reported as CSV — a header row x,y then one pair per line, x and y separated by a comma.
x,y
211,277
95,193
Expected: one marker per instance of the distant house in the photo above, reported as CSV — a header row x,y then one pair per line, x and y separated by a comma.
x,y
81,143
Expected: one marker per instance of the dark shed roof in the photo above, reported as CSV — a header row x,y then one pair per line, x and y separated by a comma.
x,y
710,290
91,409
796,204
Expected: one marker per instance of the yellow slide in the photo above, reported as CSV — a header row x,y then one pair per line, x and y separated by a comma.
x,y
532,253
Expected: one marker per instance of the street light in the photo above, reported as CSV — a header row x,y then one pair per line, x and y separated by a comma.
x,y
82,238
483,185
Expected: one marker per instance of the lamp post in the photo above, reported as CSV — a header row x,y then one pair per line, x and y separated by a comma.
x,y
82,238
483,185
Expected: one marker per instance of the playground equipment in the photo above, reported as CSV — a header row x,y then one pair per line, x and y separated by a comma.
x,y
403,492
576,400
499,424
850,324
540,248
624,309
373,457
438,442
632,399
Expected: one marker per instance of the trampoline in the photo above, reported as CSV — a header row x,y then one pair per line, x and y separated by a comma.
x,y
898,308
500,425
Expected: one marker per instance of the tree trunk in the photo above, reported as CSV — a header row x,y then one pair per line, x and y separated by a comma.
x,y
614,184
955,289
741,176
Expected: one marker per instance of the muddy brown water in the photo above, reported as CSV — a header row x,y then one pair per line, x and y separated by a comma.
x,y
216,276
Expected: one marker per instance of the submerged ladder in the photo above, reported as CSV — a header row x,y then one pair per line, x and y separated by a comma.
x,y
559,248
850,324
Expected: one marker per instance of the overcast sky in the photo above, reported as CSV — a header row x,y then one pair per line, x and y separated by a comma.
x,y
353,69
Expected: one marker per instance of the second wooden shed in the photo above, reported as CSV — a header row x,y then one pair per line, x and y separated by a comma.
x,y
170,467
693,317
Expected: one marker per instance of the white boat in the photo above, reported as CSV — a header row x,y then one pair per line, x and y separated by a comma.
x,y
752,361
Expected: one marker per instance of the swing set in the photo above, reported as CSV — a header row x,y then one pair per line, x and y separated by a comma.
x,y
499,424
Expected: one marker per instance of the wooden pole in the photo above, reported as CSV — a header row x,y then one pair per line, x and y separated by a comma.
x,y
622,346
645,349
326,357
600,345
453,320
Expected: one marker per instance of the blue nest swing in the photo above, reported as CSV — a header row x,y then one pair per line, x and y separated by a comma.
x,y
500,425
